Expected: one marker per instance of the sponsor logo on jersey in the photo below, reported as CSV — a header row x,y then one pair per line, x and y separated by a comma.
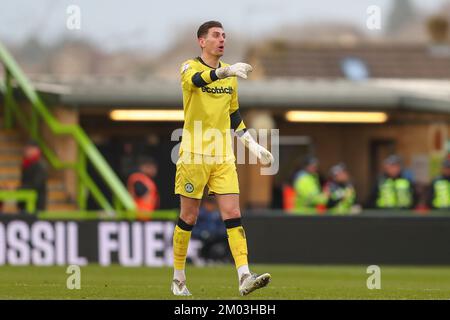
x,y
218,90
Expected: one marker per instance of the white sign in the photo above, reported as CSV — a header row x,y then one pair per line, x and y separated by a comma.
x,y
130,244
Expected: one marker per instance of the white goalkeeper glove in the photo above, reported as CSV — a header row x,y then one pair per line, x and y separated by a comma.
x,y
238,69
259,151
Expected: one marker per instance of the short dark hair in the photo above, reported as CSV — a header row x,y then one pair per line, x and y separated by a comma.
x,y
204,28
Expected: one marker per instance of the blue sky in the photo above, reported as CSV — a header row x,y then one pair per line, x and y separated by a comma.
x,y
152,25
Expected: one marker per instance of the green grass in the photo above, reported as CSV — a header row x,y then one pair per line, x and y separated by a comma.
x,y
220,282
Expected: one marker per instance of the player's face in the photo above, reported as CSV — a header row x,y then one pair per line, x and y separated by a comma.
x,y
214,42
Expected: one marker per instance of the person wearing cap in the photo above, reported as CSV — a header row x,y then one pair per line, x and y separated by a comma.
x,y
340,191
309,197
34,175
393,189
439,194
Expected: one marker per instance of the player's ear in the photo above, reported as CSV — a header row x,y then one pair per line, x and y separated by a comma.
x,y
202,42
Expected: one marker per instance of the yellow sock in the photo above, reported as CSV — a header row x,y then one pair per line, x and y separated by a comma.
x,y
180,246
238,245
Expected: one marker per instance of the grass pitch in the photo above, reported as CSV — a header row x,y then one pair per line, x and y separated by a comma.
x,y
220,282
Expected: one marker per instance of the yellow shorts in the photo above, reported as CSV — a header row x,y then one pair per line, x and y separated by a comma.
x,y
193,175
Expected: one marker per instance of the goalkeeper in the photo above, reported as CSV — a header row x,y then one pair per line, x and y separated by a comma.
x,y
210,104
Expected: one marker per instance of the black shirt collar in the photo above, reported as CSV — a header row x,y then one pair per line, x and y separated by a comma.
x,y
203,62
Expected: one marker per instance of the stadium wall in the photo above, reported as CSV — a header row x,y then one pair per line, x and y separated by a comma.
x,y
349,240
271,239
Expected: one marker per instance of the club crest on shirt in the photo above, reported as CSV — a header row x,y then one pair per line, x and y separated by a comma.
x,y
189,187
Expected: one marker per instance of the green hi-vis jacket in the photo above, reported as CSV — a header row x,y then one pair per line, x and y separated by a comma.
x,y
394,193
440,193
308,193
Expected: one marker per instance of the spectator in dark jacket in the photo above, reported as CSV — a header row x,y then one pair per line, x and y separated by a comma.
x,y
34,174
340,191
211,230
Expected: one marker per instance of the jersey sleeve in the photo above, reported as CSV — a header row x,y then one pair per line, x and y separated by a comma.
x,y
235,116
191,77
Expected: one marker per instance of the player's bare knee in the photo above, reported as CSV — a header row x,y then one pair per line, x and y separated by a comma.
x,y
190,215
189,210
231,213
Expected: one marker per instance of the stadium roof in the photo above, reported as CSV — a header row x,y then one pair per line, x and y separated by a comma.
x,y
328,60
387,94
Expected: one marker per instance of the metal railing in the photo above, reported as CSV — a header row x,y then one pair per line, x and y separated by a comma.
x,y
27,196
15,78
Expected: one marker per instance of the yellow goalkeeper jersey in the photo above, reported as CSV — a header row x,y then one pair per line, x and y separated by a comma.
x,y
207,103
